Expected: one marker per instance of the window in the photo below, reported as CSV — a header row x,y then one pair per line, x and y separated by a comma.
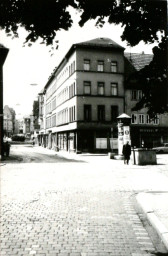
x,y
136,94
114,113
100,66
114,66
156,120
114,89
141,119
148,120
139,94
86,64
74,89
74,115
134,119
101,113
100,88
87,112
87,87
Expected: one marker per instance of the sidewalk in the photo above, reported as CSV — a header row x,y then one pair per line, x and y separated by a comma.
x,y
155,207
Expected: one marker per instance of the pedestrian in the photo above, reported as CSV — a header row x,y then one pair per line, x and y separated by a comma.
x,y
126,152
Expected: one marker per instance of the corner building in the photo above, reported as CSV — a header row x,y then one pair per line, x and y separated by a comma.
x,y
84,96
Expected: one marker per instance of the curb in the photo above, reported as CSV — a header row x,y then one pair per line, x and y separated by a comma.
x,y
162,231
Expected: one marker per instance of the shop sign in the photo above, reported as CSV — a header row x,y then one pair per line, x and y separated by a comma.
x,y
149,130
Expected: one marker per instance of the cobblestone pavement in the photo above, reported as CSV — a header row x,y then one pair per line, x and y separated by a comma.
x,y
75,209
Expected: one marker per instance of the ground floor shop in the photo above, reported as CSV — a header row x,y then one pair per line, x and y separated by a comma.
x,y
101,140
79,141
148,137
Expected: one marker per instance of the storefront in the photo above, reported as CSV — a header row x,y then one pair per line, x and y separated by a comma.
x,y
148,137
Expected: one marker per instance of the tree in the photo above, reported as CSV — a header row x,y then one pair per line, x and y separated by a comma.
x,y
143,20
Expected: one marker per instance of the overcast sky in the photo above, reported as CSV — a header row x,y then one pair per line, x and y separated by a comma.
x,y
33,65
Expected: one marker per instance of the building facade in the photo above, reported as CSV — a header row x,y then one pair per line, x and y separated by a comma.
x,y
145,132
8,121
84,96
79,105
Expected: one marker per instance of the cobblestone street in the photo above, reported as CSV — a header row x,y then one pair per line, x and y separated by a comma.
x,y
76,209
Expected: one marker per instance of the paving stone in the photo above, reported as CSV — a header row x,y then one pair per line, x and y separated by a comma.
x,y
73,210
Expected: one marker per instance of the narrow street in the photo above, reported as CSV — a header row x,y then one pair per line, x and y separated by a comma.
x,y
53,206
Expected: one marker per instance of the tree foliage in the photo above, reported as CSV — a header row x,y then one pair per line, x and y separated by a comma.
x,y
153,79
142,20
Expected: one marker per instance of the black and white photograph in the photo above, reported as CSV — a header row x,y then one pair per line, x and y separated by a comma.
x,y
83,128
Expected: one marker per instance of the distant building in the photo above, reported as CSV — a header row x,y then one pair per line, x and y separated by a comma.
x,y
19,126
41,118
8,121
26,125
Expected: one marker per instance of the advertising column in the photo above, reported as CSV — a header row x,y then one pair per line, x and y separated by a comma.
x,y
123,131
126,136
120,138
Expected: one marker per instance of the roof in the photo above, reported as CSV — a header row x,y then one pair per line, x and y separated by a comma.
x,y
123,116
139,60
101,42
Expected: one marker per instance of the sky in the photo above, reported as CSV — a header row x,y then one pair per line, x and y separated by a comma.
x,y
27,69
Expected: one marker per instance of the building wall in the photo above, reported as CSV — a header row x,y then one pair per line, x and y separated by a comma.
x,y
94,55
146,132
8,122
64,99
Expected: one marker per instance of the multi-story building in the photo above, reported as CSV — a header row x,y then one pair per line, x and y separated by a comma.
x,y
8,121
145,132
27,125
79,105
41,119
84,96
19,126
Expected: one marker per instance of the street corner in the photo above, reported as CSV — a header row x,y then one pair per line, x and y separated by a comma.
x,y
155,207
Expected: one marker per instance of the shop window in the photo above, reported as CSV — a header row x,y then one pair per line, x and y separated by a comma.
x,y
100,88
100,66
101,113
114,89
114,67
87,112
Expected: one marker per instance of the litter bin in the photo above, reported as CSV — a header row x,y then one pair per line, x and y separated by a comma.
x,y
143,156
